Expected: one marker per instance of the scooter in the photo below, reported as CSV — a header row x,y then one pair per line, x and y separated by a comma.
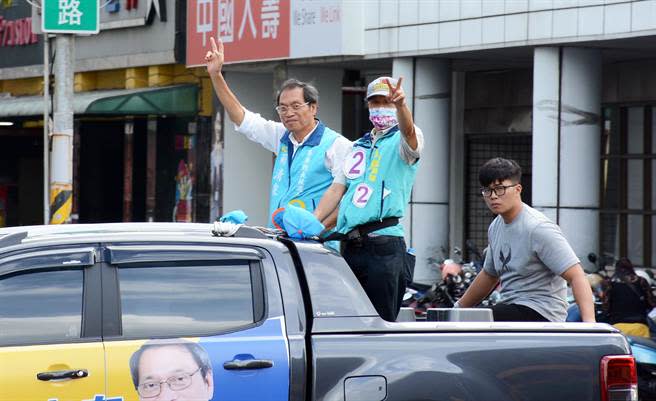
x,y
456,277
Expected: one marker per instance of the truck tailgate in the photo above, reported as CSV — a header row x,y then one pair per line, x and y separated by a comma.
x,y
451,362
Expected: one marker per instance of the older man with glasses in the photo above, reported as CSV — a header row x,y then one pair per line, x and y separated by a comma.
x,y
164,370
308,154
527,254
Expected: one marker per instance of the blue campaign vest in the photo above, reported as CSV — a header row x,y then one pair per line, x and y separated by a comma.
x,y
302,179
383,190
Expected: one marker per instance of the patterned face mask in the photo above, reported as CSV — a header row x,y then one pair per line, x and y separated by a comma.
x,y
382,118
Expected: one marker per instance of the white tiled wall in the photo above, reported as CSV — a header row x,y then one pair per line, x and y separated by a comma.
x,y
565,23
449,10
540,25
429,36
388,40
449,34
563,3
409,12
493,7
449,25
539,5
515,27
470,32
371,42
408,38
643,15
584,3
371,20
591,21
389,11
493,29
471,9
429,11
618,18
516,6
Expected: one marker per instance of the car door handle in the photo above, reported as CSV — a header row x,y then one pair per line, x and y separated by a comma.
x,y
247,364
62,374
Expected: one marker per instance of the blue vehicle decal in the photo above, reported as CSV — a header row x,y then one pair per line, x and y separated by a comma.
x,y
266,342
97,397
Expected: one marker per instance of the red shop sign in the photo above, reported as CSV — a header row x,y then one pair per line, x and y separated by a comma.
x,y
250,29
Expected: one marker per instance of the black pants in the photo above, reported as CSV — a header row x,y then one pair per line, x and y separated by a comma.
x,y
516,313
378,263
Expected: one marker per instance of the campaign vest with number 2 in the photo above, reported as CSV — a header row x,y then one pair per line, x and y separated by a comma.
x,y
379,183
301,178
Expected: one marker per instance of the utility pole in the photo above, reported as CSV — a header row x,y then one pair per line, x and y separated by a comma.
x,y
46,129
65,18
61,178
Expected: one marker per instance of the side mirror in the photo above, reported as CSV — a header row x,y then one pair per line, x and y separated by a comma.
x,y
592,257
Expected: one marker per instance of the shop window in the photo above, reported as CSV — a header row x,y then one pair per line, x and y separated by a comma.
x,y
628,193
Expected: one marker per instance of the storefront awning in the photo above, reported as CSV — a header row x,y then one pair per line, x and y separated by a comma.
x,y
170,100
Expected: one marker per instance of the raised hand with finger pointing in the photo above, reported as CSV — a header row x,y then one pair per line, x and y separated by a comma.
x,y
396,93
214,58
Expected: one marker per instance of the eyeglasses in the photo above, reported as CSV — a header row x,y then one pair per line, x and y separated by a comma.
x,y
176,383
294,107
498,190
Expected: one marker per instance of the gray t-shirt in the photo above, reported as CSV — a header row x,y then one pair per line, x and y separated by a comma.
x,y
528,256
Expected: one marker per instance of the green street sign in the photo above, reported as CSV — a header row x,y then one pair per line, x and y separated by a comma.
x,y
70,16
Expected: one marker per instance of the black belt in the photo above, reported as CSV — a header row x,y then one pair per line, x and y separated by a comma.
x,y
360,232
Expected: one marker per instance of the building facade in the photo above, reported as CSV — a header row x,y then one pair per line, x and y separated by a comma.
x,y
564,87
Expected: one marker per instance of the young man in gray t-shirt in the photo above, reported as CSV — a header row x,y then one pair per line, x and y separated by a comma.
x,y
527,254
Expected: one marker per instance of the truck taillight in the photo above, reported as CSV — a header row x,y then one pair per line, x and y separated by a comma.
x,y
619,378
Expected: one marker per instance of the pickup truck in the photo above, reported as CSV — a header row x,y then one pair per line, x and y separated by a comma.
x,y
168,311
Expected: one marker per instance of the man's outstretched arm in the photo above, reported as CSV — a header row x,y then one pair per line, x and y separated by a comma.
x,y
482,286
403,113
214,59
325,211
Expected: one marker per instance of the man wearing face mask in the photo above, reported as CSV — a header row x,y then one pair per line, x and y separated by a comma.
x,y
374,190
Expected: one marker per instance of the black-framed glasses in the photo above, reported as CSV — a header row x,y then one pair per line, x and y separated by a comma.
x,y
181,381
499,190
293,107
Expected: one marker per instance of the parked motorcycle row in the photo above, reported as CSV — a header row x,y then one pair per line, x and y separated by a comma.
x,y
455,278
644,349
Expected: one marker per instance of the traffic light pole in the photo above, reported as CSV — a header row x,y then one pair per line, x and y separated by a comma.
x,y
61,172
